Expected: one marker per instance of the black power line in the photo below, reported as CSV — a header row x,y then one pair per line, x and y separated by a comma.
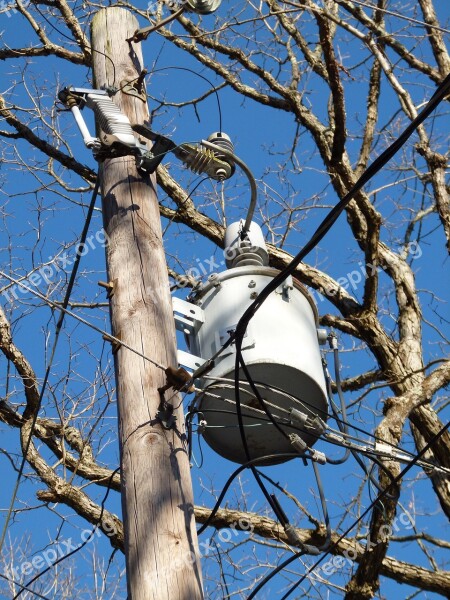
x,y
380,496
239,333
58,328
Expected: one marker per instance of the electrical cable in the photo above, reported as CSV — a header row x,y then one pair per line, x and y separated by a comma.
x,y
80,546
441,92
323,502
58,328
191,192
235,473
70,313
219,108
304,404
358,520
272,388
333,437
251,180
344,458
24,587
71,40
273,504
239,333
263,403
275,571
343,425
306,548
142,34
320,232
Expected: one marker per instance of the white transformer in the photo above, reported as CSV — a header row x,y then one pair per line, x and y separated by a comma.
x,y
280,350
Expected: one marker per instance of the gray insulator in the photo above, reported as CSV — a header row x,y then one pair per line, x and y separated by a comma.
x,y
249,259
250,251
203,7
114,125
218,138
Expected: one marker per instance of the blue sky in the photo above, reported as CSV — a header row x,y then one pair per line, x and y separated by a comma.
x,y
258,134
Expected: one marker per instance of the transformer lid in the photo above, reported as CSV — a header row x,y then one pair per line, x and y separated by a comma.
x,y
215,279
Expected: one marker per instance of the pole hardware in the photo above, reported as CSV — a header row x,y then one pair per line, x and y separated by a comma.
x,y
165,415
115,342
201,7
177,380
135,87
109,287
198,159
116,137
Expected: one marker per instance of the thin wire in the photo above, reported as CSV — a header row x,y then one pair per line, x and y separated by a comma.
x,y
219,108
398,15
191,192
58,328
343,427
235,473
24,587
141,35
327,223
71,40
56,306
306,548
251,180
78,548
207,392
371,453
361,517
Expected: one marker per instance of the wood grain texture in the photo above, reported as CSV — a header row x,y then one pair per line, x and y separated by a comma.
x,y
160,538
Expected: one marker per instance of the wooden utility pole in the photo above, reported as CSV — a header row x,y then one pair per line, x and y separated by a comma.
x,y
161,548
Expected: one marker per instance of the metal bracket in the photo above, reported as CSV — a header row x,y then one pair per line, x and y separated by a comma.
x,y
165,416
115,343
285,288
322,336
190,361
135,87
223,335
109,287
189,318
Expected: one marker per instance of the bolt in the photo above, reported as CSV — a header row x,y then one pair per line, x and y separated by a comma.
x,y
252,284
253,295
